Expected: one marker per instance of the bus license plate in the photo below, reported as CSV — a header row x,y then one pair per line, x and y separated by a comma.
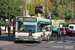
x,y
25,39
26,34
23,34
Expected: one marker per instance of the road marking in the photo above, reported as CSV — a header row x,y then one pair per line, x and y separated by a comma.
x,y
51,41
60,42
68,42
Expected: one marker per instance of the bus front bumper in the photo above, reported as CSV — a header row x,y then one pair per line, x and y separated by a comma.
x,y
27,38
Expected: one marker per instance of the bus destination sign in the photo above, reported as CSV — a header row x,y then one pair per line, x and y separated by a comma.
x,y
30,19
27,19
20,18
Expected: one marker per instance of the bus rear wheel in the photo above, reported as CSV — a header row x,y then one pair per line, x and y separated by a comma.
x,y
48,37
40,40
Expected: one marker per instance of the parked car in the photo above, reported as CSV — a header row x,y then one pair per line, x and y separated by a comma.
x,y
72,26
54,30
69,31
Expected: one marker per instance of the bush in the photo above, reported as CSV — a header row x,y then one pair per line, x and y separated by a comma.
x,y
2,23
64,24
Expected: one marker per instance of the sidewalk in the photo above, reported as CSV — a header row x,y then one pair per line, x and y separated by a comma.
x,y
5,39
4,33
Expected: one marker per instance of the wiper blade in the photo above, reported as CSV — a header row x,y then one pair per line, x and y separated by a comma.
x,y
31,31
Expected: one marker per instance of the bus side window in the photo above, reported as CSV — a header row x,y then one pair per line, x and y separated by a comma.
x,y
38,28
44,29
49,28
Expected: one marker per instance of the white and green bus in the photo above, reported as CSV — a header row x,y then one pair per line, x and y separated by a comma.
x,y
32,29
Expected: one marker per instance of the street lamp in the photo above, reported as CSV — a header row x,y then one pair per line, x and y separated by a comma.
x,y
25,7
20,11
5,20
47,6
50,18
72,12
50,21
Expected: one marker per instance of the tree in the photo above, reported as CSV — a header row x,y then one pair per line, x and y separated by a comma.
x,y
10,7
62,8
33,3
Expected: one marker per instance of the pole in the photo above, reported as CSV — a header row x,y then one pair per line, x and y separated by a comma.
x,y
5,21
25,7
47,6
72,12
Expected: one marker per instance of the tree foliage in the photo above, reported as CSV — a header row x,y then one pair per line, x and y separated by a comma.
x,y
10,7
59,9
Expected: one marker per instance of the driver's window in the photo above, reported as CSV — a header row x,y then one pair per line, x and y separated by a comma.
x,y
20,25
45,28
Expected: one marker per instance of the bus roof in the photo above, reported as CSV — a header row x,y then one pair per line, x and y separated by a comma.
x,y
32,19
43,20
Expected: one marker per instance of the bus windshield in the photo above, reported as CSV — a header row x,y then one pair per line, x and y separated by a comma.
x,y
30,28
26,28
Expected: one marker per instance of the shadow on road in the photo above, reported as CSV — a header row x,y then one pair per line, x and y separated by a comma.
x,y
67,37
1,49
6,38
28,42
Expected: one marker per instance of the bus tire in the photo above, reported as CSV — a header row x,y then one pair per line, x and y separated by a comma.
x,y
15,41
48,37
40,40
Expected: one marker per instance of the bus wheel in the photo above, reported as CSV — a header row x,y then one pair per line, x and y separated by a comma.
x,y
48,37
40,40
15,41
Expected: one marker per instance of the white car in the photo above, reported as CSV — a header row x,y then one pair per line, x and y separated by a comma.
x,y
72,26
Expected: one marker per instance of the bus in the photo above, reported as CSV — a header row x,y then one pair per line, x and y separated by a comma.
x,y
32,29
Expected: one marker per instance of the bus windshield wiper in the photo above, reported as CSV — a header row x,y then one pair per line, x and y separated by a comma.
x,y
32,31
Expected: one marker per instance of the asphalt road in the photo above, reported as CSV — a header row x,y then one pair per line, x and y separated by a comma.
x,y
53,44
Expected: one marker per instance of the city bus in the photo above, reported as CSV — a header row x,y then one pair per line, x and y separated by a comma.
x,y
32,29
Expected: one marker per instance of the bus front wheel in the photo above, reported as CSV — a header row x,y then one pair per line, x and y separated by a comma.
x,y
15,41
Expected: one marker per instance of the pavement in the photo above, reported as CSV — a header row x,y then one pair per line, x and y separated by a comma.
x,y
5,39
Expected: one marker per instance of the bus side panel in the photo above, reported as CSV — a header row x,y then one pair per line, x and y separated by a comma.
x,y
47,33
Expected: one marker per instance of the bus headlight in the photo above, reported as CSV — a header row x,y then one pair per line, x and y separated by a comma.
x,y
35,34
16,36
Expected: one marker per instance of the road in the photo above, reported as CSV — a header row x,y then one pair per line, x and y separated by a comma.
x,y
53,44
